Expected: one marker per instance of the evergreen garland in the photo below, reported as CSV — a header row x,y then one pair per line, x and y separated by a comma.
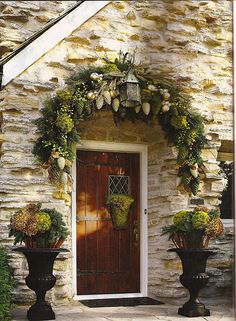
x,y
98,88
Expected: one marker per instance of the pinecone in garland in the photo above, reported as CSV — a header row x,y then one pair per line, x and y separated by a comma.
x,y
87,109
174,110
182,155
194,185
186,179
54,172
174,121
79,107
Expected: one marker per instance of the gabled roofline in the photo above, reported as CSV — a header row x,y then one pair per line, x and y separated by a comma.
x,y
37,45
38,33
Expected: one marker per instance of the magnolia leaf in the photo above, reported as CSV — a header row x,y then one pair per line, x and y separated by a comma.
x,y
99,102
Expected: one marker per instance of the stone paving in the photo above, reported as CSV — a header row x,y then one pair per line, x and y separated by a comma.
x,y
166,312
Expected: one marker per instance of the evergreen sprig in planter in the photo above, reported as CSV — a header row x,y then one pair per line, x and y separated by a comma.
x,y
43,231
119,207
190,233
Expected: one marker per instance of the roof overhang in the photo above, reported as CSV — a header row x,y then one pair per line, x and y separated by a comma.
x,y
16,63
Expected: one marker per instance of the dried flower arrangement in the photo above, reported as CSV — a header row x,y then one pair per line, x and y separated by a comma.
x,y
194,229
38,228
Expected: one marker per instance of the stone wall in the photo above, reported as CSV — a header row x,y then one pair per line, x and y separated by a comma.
x,y
20,19
191,42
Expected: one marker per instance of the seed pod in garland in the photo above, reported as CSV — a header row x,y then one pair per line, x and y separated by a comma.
x,y
95,76
194,170
146,108
166,96
93,96
115,104
165,107
90,95
113,93
137,109
61,162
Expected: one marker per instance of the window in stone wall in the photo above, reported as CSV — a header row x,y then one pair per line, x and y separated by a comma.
x,y
225,156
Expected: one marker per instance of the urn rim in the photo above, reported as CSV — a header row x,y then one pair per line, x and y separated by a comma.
x,y
39,250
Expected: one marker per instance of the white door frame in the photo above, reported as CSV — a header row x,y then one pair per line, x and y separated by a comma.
x,y
125,148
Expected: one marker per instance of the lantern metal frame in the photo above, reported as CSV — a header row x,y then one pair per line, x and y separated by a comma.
x,y
130,95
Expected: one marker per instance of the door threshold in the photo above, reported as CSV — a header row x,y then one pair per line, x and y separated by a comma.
x,y
107,296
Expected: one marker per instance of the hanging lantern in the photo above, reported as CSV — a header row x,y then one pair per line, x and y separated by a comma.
x,y
130,91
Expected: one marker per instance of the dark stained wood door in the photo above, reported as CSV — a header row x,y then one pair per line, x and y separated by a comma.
x,y
108,260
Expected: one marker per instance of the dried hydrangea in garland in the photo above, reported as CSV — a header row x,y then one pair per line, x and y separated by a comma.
x,y
99,88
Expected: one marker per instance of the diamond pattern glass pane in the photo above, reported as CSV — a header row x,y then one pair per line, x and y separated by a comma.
x,y
118,184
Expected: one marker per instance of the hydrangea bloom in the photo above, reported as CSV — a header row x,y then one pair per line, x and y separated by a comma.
x,y
43,221
181,217
200,220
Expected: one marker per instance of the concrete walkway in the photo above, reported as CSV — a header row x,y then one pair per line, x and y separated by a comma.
x,y
166,312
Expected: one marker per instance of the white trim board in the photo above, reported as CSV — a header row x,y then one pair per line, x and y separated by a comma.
x,y
107,296
126,148
50,38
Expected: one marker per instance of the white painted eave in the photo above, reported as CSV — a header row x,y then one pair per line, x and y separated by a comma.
x,y
50,38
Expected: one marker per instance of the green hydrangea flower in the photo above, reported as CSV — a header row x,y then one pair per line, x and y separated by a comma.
x,y
43,221
181,217
65,95
65,123
110,67
200,220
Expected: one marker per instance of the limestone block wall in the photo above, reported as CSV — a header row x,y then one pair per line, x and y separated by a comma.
x,y
191,42
20,19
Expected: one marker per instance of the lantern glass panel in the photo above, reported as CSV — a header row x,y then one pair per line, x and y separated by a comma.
x,y
130,94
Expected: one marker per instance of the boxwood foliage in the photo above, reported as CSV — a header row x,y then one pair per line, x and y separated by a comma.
x,y
6,284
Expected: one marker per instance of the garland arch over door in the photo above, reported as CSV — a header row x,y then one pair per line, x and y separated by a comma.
x,y
123,88
118,148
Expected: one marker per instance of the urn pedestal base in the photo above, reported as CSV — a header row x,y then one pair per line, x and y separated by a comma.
x,y
194,278
41,311
40,279
194,310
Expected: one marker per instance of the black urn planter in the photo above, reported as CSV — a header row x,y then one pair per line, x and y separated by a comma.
x,y
194,278
40,279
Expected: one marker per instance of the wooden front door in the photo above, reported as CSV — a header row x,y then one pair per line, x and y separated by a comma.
x,y
108,259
